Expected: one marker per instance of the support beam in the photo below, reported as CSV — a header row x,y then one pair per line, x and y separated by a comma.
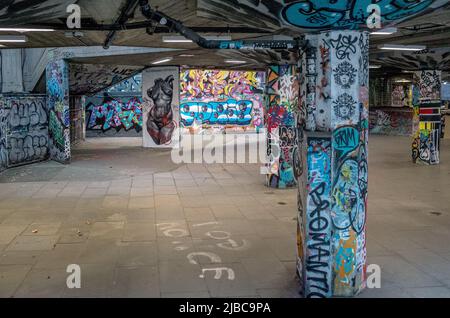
x,y
57,76
427,117
333,185
11,71
282,97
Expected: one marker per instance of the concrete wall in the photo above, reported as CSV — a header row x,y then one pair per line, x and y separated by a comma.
x,y
23,130
114,115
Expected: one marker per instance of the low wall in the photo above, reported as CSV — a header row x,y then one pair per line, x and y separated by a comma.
x,y
23,130
114,116
391,121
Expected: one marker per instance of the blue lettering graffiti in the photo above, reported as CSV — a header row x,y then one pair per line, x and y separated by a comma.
x,y
231,112
348,14
346,139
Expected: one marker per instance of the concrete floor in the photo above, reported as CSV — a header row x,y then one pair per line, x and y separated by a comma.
x,y
140,226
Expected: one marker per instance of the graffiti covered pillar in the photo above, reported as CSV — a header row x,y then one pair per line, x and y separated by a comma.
x,y
427,117
57,74
333,183
282,149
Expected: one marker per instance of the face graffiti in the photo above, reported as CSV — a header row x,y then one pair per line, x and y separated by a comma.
x,y
344,106
345,75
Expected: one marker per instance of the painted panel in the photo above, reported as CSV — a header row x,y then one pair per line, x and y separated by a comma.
x,y
160,88
427,117
23,130
391,122
114,116
58,107
219,99
282,105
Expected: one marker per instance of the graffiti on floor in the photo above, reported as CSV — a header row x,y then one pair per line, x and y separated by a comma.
x,y
114,113
221,99
223,241
391,122
23,130
57,73
161,106
282,149
427,117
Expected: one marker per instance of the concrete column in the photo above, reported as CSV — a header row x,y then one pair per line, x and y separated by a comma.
x,y
333,183
282,146
427,117
57,76
11,71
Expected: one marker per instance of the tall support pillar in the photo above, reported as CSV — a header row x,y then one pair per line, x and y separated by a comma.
x,y
333,183
427,117
282,145
57,75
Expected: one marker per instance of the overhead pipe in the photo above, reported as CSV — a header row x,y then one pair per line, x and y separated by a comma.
x,y
190,34
121,20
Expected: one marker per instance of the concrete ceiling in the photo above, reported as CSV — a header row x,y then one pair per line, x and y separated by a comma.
x,y
244,19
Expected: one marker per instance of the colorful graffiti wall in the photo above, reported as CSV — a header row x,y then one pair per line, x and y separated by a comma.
x,y
111,115
389,121
427,117
23,130
282,147
218,100
160,89
333,191
401,95
89,79
308,14
57,73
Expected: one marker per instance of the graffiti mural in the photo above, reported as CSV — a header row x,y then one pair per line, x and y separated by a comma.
x,y
89,79
391,122
282,104
427,117
317,218
161,106
309,14
109,113
57,74
333,198
23,130
218,100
